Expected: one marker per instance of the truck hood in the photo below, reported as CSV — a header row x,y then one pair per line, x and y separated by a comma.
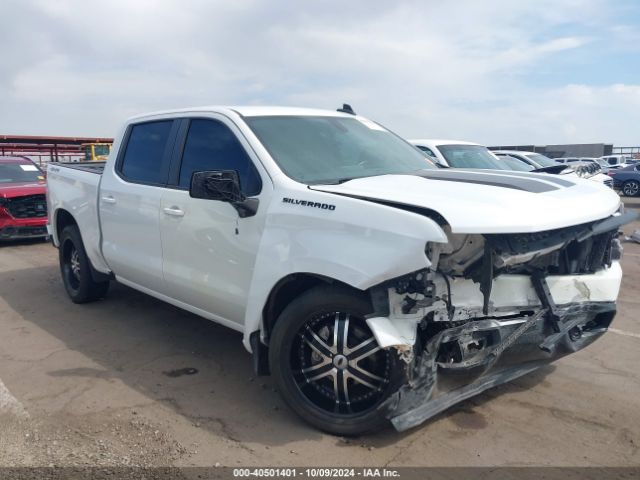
x,y
10,190
489,201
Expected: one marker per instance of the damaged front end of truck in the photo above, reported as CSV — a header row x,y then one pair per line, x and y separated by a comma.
x,y
494,307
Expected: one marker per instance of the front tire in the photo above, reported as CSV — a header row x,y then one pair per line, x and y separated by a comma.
x,y
76,269
631,188
327,364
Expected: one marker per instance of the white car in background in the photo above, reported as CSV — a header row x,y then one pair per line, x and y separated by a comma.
x,y
613,161
567,160
538,161
535,161
459,154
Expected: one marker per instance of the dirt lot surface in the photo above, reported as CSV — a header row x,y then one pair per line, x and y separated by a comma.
x,y
133,381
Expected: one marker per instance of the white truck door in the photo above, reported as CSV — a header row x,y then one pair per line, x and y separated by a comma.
x,y
129,202
209,251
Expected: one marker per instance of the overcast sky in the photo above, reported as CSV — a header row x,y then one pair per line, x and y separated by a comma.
x,y
490,71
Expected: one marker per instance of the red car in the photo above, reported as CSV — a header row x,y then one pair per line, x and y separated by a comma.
x,y
23,205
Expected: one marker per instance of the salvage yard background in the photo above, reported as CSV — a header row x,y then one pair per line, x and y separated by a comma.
x,y
133,381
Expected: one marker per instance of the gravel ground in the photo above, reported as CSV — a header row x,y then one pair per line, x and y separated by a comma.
x,y
131,381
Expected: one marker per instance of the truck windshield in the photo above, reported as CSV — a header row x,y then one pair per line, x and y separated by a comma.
x,y
19,172
469,156
324,149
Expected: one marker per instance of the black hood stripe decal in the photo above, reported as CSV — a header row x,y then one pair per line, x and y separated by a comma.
x,y
537,176
516,182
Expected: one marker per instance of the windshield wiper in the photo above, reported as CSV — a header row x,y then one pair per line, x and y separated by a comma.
x,y
344,180
335,181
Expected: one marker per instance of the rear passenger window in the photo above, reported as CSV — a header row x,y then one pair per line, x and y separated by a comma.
x,y
211,145
142,160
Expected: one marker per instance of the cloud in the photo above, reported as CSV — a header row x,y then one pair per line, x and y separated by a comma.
x,y
463,69
560,44
570,114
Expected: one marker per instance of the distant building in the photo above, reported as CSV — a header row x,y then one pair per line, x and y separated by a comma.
x,y
569,150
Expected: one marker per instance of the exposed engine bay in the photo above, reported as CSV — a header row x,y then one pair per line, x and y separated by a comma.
x,y
494,307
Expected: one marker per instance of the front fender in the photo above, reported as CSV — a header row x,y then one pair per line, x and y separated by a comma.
x,y
359,243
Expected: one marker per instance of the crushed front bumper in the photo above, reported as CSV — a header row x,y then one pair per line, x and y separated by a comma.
x,y
463,361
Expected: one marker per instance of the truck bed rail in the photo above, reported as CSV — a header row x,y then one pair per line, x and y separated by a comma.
x,y
91,167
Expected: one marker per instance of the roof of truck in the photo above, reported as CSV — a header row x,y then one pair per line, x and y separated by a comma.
x,y
249,111
256,111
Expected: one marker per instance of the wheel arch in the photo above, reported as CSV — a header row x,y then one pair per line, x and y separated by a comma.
x,y
290,287
62,219
282,293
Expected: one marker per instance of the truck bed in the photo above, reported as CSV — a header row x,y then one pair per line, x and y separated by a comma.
x,y
75,187
91,167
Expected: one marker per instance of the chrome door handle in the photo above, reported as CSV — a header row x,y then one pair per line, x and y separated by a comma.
x,y
174,212
108,199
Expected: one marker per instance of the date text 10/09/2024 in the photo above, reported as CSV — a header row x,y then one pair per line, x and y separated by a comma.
x,y
316,472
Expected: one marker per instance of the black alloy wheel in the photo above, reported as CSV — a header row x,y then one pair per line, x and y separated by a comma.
x,y
328,365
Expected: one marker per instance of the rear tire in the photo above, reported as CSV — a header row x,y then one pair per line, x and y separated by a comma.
x,y
327,364
75,268
631,188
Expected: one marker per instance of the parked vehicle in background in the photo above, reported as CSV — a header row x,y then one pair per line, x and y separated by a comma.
x,y
567,159
592,171
604,166
584,168
373,285
540,163
613,161
595,164
627,179
96,152
23,206
458,154
511,163
533,159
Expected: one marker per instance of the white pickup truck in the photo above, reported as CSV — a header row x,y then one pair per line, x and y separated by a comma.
x,y
371,284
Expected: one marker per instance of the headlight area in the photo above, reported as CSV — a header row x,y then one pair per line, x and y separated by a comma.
x,y
492,308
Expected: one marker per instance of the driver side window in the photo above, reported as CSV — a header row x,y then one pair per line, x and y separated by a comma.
x,y
211,145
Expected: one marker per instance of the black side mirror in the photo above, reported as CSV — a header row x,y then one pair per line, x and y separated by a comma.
x,y
224,186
